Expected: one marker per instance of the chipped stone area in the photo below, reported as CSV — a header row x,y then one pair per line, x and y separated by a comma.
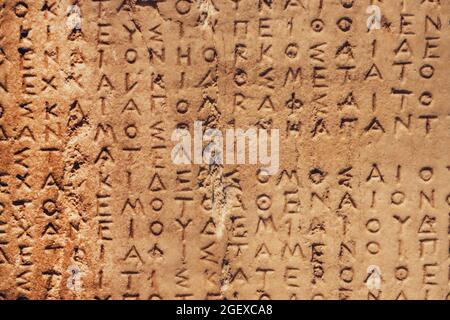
x,y
93,205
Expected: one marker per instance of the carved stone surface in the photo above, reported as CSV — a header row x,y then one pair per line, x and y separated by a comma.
x,y
93,205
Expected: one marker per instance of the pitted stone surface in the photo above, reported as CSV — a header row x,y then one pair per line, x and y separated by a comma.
x,y
92,205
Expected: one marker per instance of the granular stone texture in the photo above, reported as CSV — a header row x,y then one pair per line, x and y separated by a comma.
x,y
95,205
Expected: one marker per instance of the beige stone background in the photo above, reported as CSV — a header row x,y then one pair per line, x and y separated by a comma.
x,y
92,207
